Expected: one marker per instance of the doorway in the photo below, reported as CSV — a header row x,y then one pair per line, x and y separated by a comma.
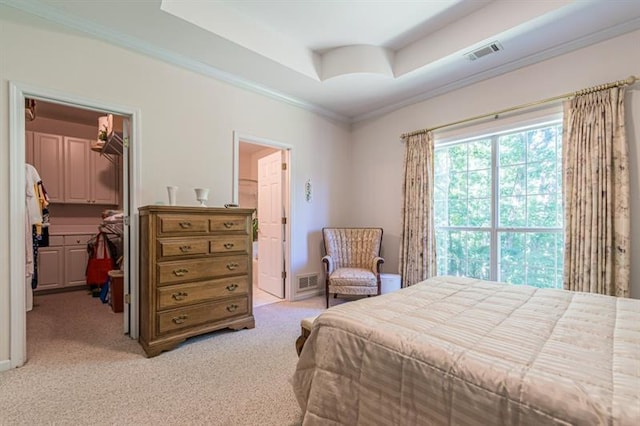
x,y
129,175
261,182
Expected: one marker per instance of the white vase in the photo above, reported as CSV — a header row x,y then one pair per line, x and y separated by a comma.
x,y
173,192
202,195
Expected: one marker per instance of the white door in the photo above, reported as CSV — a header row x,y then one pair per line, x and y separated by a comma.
x,y
270,226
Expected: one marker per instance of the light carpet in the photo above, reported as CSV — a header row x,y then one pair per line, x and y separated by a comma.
x,y
83,370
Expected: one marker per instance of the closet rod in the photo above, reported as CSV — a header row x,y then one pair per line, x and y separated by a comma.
x,y
629,81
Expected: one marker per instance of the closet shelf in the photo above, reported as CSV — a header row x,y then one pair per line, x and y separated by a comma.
x,y
113,146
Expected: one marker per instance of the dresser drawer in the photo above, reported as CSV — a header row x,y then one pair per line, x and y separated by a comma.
x,y
199,269
191,316
228,223
228,243
187,294
176,247
182,224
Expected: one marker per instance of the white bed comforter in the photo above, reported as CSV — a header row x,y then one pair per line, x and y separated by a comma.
x,y
460,351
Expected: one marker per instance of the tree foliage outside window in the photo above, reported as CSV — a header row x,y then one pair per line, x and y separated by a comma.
x,y
498,207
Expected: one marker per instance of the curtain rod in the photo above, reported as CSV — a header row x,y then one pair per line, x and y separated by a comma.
x,y
629,81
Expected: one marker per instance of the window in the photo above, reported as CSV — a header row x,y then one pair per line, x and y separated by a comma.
x,y
498,206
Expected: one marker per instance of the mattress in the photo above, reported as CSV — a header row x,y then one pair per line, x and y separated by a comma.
x,y
460,351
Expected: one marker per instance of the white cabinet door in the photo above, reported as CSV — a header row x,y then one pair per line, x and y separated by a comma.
x,y
50,268
76,182
104,180
90,178
76,258
48,159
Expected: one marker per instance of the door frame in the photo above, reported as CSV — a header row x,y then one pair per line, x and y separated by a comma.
x,y
286,196
17,298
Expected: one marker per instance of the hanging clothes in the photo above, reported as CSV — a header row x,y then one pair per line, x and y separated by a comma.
x,y
37,230
32,220
43,200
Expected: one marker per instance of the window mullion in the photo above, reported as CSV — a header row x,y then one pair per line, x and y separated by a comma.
x,y
493,273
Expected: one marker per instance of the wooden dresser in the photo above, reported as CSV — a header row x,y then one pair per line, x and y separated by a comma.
x,y
195,273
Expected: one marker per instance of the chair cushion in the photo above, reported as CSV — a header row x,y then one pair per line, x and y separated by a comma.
x,y
350,277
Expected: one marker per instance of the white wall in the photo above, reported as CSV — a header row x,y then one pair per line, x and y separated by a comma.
x,y
187,124
378,153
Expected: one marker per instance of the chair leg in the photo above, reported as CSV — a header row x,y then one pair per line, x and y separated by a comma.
x,y
327,294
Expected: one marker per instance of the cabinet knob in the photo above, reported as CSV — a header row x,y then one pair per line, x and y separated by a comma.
x,y
185,225
232,287
185,249
232,308
228,246
180,319
180,272
181,295
229,224
232,266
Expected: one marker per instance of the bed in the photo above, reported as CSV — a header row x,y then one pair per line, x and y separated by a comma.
x,y
459,351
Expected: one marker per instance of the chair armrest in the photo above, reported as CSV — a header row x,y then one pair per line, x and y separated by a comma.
x,y
377,261
328,263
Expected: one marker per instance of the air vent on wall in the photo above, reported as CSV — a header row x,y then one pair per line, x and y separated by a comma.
x,y
484,51
307,282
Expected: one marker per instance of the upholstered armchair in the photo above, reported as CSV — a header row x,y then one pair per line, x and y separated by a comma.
x,y
352,261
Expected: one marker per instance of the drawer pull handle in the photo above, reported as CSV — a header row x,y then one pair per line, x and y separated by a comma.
x,y
229,224
179,319
179,295
232,307
185,249
185,225
232,266
180,272
228,246
232,287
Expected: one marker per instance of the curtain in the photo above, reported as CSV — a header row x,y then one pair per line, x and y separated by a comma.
x,y
596,194
418,242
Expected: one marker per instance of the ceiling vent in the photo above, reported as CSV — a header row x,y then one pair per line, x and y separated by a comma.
x,y
484,51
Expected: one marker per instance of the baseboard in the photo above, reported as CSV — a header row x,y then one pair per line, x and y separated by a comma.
x,y
5,364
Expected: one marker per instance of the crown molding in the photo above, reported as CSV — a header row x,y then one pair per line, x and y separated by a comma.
x,y
49,13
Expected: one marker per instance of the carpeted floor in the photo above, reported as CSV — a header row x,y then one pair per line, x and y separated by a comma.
x,y
82,370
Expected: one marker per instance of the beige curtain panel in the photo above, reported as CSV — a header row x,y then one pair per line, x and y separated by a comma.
x,y
596,194
418,243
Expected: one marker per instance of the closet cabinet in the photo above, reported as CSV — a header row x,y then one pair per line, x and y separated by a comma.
x,y
64,262
76,258
195,270
47,156
51,264
91,178
72,173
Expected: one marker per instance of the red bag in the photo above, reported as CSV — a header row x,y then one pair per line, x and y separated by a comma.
x,y
98,267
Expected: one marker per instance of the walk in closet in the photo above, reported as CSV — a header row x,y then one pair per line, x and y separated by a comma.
x,y
82,179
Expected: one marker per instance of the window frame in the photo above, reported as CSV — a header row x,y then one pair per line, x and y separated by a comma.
x,y
494,230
